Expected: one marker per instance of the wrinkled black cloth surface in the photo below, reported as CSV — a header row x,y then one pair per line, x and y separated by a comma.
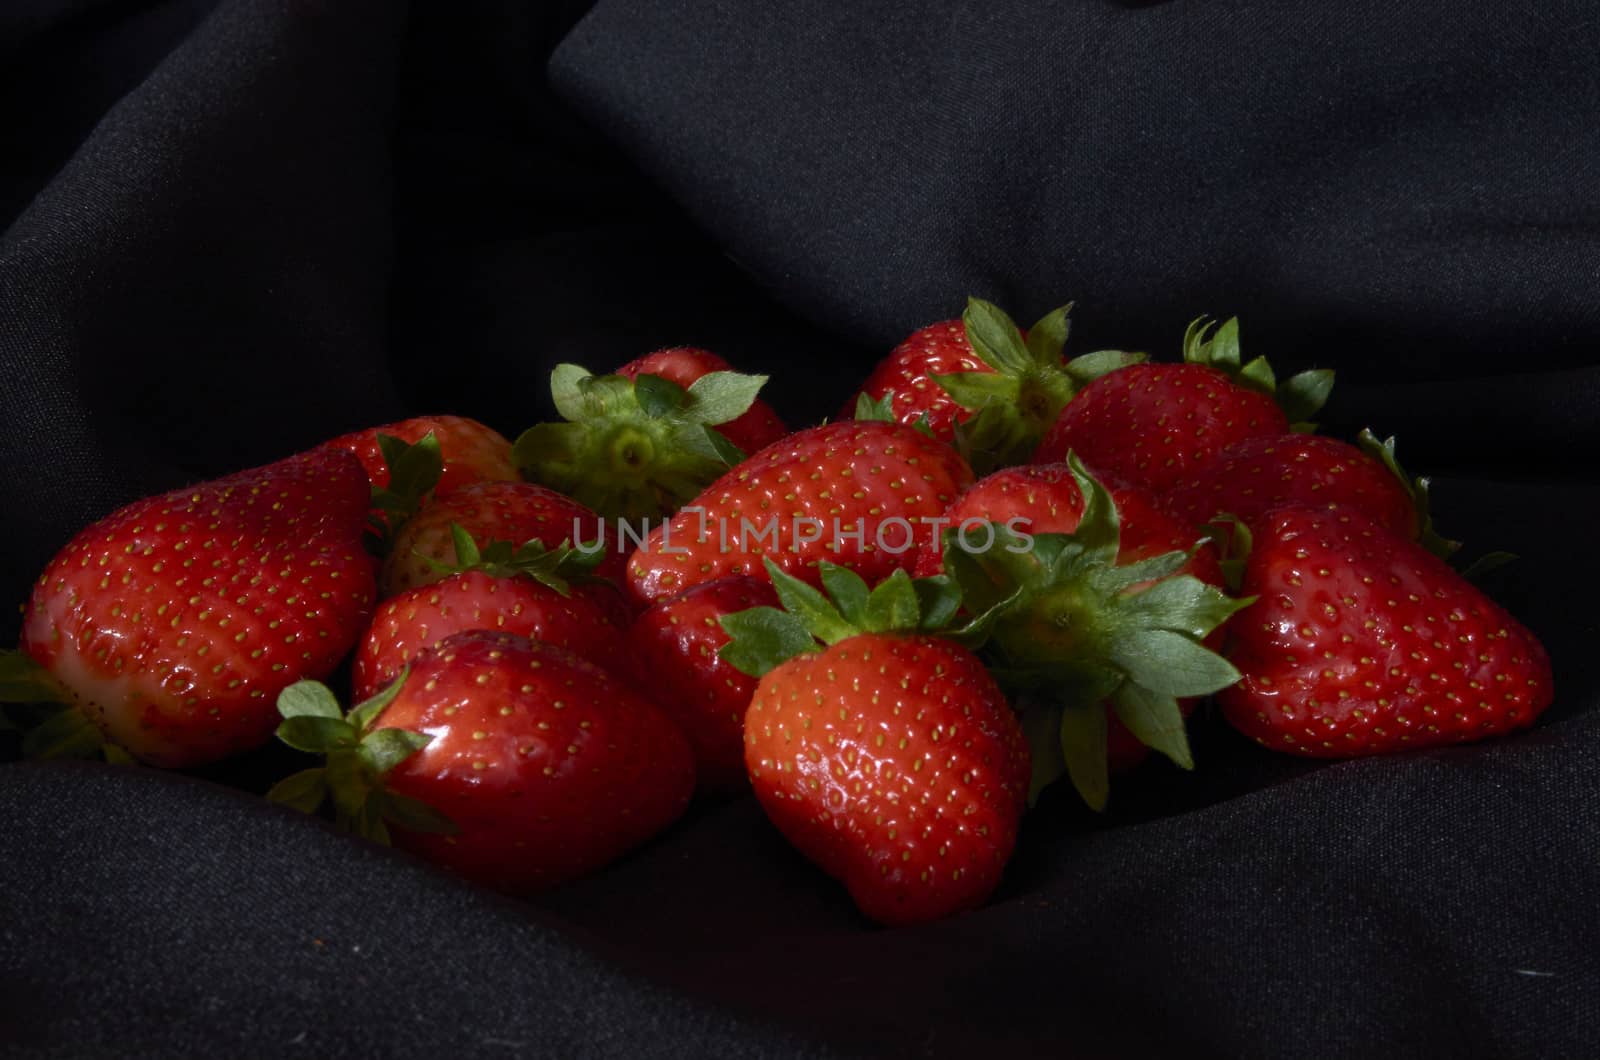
x,y
232,229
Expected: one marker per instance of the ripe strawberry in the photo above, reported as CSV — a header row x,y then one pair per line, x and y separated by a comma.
x,y
756,428
857,493
1046,499
1362,642
1153,424
539,765
527,596
172,623
672,651
635,449
517,512
983,368
889,757
469,451
1255,476
1078,625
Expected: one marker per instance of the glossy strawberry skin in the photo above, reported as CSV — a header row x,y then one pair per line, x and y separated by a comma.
x,y
854,475
549,766
1045,499
419,618
517,512
756,428
175,621
1257,475
894,763
1151,424
672,652
1362,642
908,371
471,451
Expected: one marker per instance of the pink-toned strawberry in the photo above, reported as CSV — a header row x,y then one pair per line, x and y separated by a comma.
x,y
173,623
514,763
1151,425
860,494
635,449
516,512
672,652
889,756
1363,642
1092,631
1010,385
469,451
526,592
1257,475
756,428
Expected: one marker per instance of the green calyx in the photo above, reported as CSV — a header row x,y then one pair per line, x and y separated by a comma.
x,y
414,471
44,712
1300,396
1072,631
1014,405
635,449
359,757
558,568
1429,538
764,637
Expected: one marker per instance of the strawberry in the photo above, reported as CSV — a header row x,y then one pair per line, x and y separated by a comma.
x,y
1255,476
886,755
1153,424
1078,626
635,449
469,451
524,592
1046,498
489,511
172,623
672,651
756,428
859,493
1363,642
514,763
984,369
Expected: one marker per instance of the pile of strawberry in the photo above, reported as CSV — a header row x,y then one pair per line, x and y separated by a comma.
x,y
1001,568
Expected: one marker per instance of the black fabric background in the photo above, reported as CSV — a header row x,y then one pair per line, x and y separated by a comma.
x,y
231,229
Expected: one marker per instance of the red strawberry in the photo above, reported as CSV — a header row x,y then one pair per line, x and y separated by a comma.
x,y
469,450
983,366
1362,642
541,766
1094,626
672,650
1046,498
635,449
756,428
1258,475
1153,424
173,623
517,512
890,757
475,599
878,483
